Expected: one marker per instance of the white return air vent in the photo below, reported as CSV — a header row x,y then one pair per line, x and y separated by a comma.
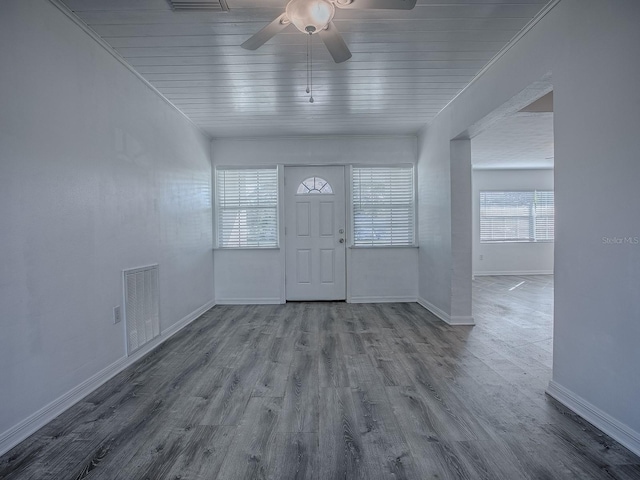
x,y
141,306
199,5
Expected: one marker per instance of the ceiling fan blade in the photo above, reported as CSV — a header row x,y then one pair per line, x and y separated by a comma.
x,y
264,35
376,4
335,43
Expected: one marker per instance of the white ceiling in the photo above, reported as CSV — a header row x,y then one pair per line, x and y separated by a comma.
x,y
524,140
406,65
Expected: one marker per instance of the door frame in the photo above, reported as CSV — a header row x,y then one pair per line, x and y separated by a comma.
x,y
347,228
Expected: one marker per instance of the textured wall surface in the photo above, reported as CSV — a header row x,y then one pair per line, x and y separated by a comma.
x,y
589,47
97,174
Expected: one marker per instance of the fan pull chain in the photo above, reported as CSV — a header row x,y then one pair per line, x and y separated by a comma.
x,y
308,40
309,68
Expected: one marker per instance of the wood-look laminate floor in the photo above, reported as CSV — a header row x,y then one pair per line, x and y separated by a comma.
x,y
335,391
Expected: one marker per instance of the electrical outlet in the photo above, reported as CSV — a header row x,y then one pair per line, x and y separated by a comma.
x,y
116,314
481,257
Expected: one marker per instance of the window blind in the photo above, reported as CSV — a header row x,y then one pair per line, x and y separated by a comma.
x,y
516,216
247,207
544,217
383,206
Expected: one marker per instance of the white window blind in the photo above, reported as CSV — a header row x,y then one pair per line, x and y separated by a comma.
x,y
247,207
516,216
544,212
383,206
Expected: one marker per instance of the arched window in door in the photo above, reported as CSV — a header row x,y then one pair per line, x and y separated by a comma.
x,y
313,185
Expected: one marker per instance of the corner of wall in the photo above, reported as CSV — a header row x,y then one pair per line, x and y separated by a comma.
x,y
444,316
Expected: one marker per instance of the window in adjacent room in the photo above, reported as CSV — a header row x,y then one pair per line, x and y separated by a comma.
x,y
516,216
247,207
383,206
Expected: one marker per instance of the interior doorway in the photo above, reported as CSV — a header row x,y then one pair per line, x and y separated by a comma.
x,y
513,204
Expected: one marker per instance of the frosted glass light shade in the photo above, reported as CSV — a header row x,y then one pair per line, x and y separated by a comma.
x,y
310,16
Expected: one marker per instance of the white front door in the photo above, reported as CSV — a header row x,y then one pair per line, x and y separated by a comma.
x,y
315,212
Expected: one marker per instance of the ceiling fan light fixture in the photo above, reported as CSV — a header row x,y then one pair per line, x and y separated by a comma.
x,y
310,16
316,17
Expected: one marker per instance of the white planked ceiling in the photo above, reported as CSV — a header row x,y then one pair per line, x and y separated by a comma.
x,y
520,141
406,65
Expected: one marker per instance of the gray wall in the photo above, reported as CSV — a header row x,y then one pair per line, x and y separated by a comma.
x,y
590,47
509,258
97,174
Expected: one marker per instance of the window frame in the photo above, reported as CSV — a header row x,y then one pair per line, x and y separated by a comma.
x,y
413,243
531,218
218,208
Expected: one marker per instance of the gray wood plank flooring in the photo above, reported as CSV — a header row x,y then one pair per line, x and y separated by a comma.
x,y
335,391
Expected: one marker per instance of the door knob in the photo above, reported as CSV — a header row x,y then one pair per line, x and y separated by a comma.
x,y
341,240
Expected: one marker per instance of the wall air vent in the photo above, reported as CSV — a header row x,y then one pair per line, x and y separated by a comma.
x,y
199,5
141,306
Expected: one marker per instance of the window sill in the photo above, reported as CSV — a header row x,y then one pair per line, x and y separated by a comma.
x,y
369,247
232,249
511,242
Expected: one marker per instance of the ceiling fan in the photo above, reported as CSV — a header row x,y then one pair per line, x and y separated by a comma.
x,y
316,17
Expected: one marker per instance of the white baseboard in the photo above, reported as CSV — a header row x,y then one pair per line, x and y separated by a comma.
x,y
382,299
176,327
462,320
249,301
603,421
513,272
39,419
444,316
